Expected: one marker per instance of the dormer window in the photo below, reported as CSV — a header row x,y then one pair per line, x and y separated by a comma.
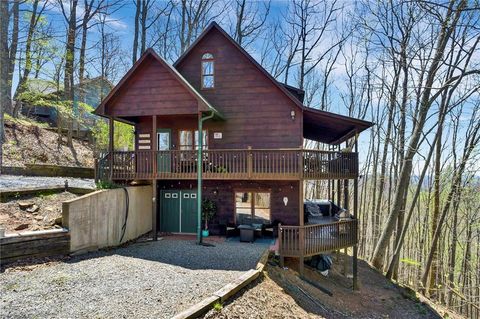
x,y
207,71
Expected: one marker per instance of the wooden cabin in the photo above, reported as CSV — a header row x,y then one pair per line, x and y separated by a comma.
x,y
252,161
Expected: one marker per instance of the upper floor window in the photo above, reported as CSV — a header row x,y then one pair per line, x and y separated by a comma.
x,y
188,139
208,80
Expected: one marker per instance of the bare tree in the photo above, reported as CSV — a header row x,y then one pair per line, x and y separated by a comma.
x,y
147,13
195,15
35,17
250,20
448,23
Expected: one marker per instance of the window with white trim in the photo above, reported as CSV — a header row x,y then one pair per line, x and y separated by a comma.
x,y
208,80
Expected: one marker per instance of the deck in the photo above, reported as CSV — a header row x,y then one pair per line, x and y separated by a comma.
x,y
313,239
240,164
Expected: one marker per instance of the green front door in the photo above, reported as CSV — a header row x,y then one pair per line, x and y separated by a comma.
x,y
178,211
170,211
164,143
189,211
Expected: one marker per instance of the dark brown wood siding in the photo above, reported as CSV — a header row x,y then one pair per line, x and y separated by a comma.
x,y
174,123
225,197
152,90
257,112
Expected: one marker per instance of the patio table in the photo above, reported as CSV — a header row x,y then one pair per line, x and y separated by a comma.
x,y
247,233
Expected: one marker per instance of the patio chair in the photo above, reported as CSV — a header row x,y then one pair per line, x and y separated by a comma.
x,y
228,229
271,230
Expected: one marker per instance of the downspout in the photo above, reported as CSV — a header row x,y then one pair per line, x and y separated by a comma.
x,y
199,174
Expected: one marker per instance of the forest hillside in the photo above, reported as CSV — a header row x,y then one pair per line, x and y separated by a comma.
x,y
29,142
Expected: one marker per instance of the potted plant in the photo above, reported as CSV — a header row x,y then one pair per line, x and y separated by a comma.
x,y
209,209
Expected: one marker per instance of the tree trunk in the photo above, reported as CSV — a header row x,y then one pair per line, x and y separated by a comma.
x,y
69,65
452,258
9,54
4,96
28,57
143,22
136,31
455,191
238,26
436,203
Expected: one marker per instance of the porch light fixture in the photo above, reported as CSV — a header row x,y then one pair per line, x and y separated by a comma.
x,y
292,114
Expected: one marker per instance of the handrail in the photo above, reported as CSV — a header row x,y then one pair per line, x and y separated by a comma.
x,y
269,164
309,240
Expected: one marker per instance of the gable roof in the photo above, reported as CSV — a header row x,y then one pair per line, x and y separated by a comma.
x,y
214,25
203,104
318,125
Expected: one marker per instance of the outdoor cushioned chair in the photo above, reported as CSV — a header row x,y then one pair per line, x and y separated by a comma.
x,y
271,229
228,228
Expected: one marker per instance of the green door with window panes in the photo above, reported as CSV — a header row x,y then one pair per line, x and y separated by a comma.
x,y
164,143
178,211
170,211
189,211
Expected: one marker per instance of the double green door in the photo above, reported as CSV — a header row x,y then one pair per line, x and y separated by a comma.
x,y
178,211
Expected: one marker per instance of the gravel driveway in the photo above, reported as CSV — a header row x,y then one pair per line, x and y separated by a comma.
x,y
143,280
11,181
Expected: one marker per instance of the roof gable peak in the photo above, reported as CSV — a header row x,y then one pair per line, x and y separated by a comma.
x,y
214,25
203,104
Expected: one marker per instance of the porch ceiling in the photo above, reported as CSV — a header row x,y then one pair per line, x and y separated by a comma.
x,y
330,128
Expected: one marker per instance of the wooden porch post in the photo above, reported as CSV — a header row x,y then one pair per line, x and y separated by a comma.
x,y
301,233
110,144
329,192
339,193
355,212
345,194
345,205
154,181
339,190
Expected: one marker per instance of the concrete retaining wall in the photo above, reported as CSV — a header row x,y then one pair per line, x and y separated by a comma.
x,y
96,220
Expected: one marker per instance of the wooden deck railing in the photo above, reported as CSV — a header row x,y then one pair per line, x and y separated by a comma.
x,y
265,164
309,240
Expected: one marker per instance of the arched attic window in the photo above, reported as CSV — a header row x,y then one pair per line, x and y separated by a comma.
x,y
208,81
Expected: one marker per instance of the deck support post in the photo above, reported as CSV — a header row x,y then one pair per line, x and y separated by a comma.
x,y
111,145
345,194
301,232
282,258
201,119
154,210
355,213
154,182
346,206
339,187
199,179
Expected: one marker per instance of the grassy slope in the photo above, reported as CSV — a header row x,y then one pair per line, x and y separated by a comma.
x,y
27,141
